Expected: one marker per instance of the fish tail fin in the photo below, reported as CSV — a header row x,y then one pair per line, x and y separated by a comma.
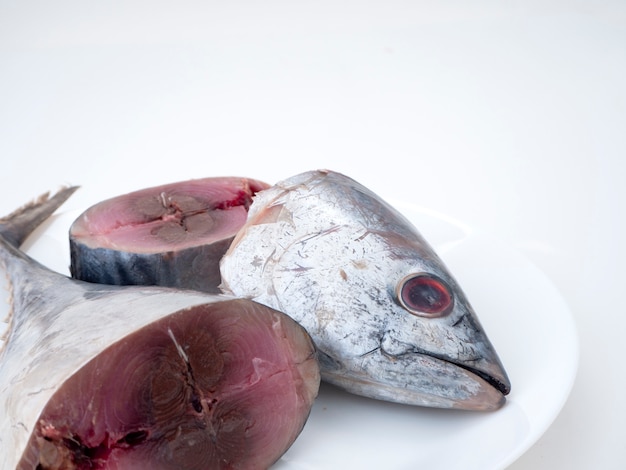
x,y
19,224
14,229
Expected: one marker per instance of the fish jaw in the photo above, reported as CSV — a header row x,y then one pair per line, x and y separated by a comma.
x,y
440,363
415,379
436,365
457,339
335,257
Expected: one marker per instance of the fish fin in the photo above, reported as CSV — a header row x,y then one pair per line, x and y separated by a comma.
x,y
19,224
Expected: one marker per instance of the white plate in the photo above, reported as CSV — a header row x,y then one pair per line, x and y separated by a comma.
x,y
524,316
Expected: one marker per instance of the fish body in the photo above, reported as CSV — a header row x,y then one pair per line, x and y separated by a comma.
x,y
389,320
206,364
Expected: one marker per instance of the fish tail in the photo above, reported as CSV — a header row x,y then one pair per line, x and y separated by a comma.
x,y
19,224
14,229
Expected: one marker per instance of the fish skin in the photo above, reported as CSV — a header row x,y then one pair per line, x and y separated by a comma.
x,y
331,254
58,324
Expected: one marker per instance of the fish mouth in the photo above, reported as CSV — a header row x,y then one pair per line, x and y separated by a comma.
x,y
491,373
502,385
419,378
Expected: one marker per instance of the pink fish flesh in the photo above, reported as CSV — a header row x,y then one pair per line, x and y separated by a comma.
x,y
168,235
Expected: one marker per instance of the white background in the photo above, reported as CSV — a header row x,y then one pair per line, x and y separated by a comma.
x,y
507,115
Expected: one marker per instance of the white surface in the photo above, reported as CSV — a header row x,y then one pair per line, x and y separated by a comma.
x,y
508,116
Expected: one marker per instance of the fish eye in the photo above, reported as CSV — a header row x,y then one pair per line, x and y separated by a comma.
x,y
425,295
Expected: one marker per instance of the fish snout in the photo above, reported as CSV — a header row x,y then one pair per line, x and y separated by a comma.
x,y
443,368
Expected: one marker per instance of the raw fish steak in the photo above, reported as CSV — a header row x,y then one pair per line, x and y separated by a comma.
x,y
170,235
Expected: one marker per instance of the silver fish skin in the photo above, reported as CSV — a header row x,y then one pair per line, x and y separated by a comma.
x,y
389,320
58,324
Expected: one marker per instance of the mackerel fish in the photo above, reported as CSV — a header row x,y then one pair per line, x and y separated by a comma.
x,y
388,318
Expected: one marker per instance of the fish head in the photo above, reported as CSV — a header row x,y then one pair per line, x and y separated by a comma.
x,y
389,320
398,326
422,342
